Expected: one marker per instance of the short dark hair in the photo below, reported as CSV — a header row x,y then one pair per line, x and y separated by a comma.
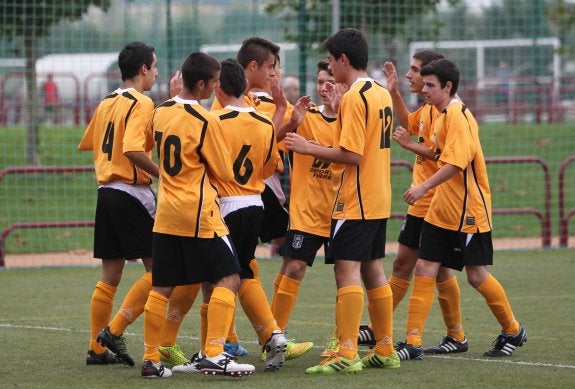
x,y
232,78
198,67
324,65
352,43
427,56
445,70
256,49
132,57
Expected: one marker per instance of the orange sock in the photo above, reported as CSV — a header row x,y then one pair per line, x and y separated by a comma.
x,y
449,301
232,335
380,307
399,287
277,282
286,298
256,307
203,325
418,308
181,301
255,268
154,319
133,304
348,312
496,298
100,312
220,313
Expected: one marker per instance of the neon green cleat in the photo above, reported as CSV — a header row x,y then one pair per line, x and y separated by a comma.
x,y
296,350
337,364
332,346
374,360
172,355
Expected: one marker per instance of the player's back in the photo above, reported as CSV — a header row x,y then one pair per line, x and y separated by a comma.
x,y
119,125
253,150
365,121
190,142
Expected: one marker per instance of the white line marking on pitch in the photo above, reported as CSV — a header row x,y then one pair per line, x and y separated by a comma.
x,y
460,358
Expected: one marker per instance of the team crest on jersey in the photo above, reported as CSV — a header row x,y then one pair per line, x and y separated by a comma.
x,y
297,241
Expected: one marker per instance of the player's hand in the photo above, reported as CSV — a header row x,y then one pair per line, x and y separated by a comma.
x,y
300,109
278,94
414,193
296,142
402,137
390,76
176,84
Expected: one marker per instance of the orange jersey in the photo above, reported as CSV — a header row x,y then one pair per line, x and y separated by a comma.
x,y
253,149
120,125
313,182
191,146
364,124
420,123
462,203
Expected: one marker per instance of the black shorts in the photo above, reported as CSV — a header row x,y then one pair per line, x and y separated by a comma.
x,y
244,223
304,246
410,233
123,226
455,249
358,240
275,219
181,260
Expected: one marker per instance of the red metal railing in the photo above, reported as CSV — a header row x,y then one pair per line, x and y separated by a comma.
x,y
545,216
564,216
44,224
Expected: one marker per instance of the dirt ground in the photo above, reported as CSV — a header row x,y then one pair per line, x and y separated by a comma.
x,y
84,258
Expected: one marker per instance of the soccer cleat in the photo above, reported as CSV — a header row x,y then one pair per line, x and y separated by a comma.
x,y
366,336
116,343
172,355
296,350
448,345
505,344
189,367
375,360
275,349
335,363
224,364
235,349
106,358
408,351
331,346
154,370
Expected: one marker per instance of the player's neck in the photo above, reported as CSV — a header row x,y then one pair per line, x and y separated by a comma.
x,y
352,76
133,83
226,100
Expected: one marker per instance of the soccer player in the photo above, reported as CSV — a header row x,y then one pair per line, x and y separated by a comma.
x,y
254,153
126,206
313,186
419,123
260,59
191,242
362,205
456,232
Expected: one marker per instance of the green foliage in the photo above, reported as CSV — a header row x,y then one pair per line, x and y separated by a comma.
x,y
22,17
372,16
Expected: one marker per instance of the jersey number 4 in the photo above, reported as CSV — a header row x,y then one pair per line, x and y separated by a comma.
x,y
108,141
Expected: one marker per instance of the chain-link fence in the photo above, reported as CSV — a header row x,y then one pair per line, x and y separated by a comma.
x,y
58,59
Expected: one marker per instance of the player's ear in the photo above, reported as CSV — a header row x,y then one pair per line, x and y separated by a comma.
x,y
448,86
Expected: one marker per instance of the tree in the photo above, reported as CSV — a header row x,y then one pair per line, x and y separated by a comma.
x,y
31,20
372,16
